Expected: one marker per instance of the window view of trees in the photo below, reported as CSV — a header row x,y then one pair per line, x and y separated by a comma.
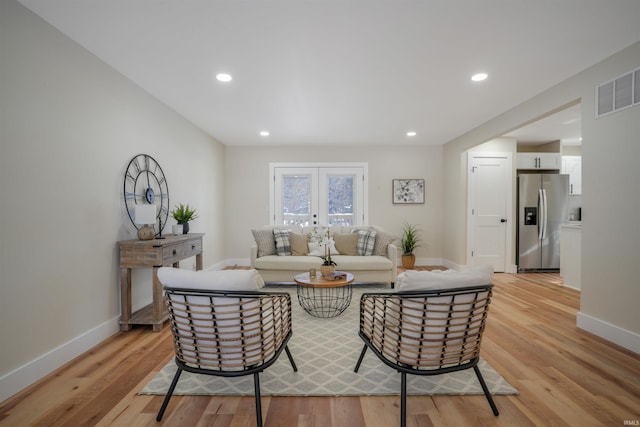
x,y
340,200
296,199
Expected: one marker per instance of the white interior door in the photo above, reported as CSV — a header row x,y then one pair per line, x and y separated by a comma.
x,y
319,194
489,201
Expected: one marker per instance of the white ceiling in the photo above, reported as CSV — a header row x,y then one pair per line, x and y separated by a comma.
x,y
345,71
564,126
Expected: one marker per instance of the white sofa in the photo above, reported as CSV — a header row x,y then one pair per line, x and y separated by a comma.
x,y
378,267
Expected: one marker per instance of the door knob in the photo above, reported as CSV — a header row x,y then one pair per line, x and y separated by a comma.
x,y
503,220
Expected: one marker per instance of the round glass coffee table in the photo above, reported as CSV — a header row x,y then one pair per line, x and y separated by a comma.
x,y
324,297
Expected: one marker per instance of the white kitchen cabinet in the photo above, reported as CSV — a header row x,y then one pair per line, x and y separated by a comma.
x,y
572,165
571,255
542,161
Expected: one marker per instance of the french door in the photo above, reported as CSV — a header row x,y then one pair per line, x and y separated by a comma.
x,y
318,194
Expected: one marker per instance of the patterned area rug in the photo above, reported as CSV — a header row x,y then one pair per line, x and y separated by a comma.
x,y
326,351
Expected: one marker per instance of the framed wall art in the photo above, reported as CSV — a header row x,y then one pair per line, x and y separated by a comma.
x,y
408,191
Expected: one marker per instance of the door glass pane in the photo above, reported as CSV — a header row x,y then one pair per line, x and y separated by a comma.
x,y
340,199
318,195
296,199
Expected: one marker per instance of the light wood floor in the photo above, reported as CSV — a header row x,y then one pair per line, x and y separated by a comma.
x,y
566,377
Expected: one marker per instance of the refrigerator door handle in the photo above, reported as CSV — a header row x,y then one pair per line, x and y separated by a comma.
x,y
541,214
545,213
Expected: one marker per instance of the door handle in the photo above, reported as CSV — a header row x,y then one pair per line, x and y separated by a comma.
x,y
503,220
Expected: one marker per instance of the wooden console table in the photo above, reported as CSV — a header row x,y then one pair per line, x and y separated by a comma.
x,y
154,253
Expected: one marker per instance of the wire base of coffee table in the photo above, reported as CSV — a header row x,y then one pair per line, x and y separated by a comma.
x,y
322,298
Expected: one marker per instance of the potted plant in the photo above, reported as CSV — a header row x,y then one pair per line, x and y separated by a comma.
x,y
409,241
183,214
328,265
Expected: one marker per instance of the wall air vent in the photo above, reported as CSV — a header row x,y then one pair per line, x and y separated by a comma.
x,y
619,93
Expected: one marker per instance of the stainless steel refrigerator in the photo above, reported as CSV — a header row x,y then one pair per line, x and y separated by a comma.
x,y
543,206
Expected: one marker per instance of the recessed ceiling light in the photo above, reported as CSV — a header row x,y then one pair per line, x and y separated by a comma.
x,y
264,133
224,77
411,133
479,77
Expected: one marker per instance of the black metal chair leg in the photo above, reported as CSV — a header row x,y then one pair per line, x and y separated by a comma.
x,y
293,364
256,383
176,377
486,391
403,399
364,350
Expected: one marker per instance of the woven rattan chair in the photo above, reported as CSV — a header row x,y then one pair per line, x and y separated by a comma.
x,y
228,333
426,332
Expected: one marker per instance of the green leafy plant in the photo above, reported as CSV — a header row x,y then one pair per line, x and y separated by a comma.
x,y
410,239
183,213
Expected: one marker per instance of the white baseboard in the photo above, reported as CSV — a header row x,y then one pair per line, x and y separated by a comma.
x,y
221,265
27,374
231,262
511,268
426,262
452,265
615,334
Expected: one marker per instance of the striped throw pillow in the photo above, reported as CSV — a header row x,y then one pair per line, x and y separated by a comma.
x,y
366,242
283,245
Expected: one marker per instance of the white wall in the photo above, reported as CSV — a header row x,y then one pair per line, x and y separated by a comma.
x,y
611,198
247,199
69,125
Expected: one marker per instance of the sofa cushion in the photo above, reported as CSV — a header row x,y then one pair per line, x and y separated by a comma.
x,y
283,244
298,244
412,280
292,263
346,244
383,240
360,263
265,241
366,241
228,280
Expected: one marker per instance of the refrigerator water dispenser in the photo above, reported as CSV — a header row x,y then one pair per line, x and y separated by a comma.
x,y
530,216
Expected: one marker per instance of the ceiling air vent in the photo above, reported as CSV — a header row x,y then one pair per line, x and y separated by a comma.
x,y
619,93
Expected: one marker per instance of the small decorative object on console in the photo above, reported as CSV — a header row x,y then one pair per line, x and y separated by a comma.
x,y
145,215
336,275
183,214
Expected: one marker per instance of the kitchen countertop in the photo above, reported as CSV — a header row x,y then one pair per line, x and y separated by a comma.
x,y
572,224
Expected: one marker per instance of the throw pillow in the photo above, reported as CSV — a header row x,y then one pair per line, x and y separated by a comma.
x,y
265,241
283,245
346,244
383,240
366,241
317,248
298,244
